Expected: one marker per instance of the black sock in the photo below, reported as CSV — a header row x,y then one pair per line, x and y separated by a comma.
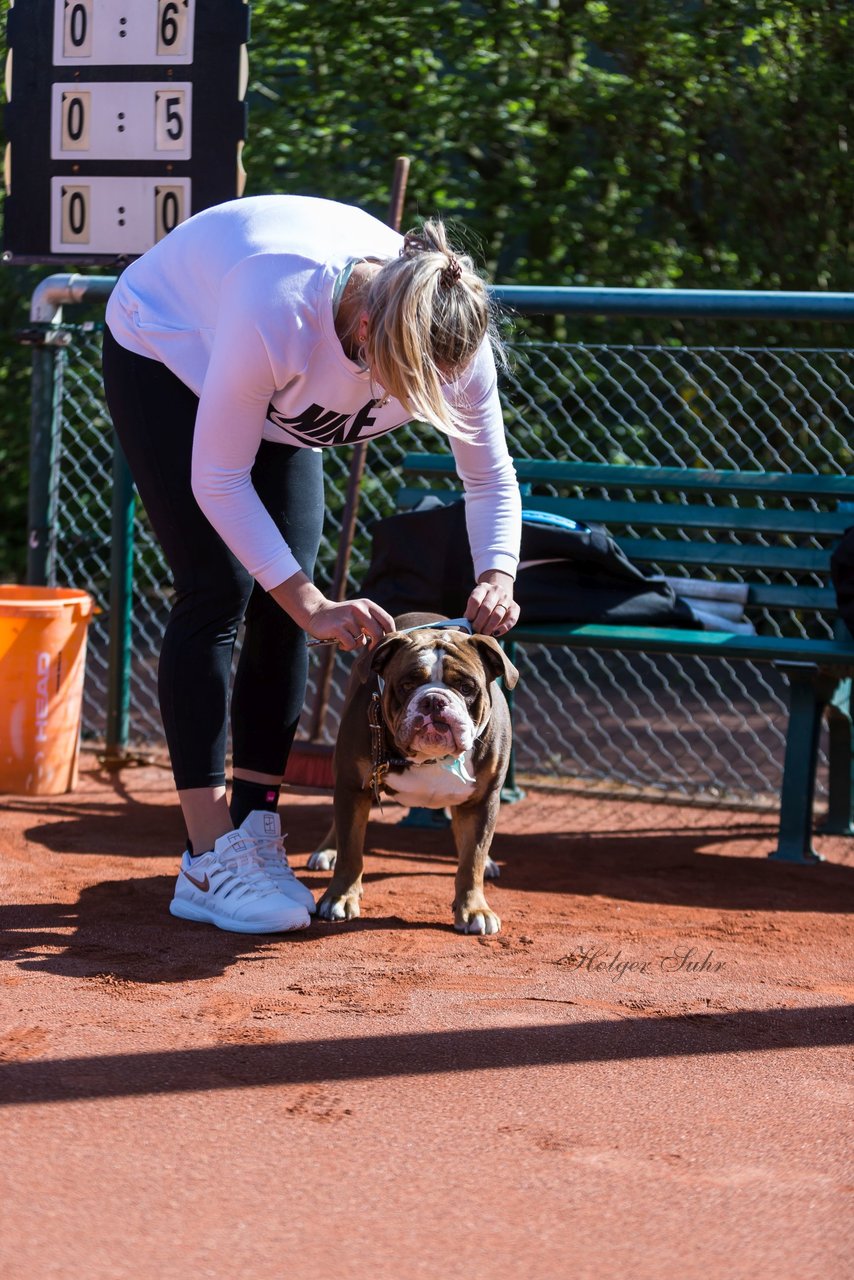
x,y
246,796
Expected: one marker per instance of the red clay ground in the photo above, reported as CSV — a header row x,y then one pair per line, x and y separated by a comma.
x,y
388,1099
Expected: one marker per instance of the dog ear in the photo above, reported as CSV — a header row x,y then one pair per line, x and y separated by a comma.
x,y
495,660
376,659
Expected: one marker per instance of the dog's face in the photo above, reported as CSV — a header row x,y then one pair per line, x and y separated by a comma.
x,y
436,696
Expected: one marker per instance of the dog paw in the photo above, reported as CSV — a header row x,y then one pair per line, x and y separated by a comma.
x,y
480,921
345,907
322,860
491,870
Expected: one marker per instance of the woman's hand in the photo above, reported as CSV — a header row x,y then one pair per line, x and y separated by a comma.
x,y
351,624
491,609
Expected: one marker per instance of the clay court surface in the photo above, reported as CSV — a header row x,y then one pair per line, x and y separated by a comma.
x,y
389,1099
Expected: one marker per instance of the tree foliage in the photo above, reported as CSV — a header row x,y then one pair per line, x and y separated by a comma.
x,y
631,142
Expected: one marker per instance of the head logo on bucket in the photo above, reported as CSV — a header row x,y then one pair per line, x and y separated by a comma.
x,y
42,698
42,708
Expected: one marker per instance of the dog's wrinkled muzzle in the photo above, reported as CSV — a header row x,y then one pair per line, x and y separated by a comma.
x,y
436,723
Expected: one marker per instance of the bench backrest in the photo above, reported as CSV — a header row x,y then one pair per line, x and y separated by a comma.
x,y
774,530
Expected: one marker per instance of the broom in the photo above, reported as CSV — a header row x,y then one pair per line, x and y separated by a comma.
x,y
310,761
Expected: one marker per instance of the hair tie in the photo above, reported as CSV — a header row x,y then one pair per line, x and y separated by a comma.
x,y
451,273
414,242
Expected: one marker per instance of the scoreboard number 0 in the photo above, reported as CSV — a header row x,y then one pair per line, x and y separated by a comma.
x,y
75,217
76,114
77,29
168,209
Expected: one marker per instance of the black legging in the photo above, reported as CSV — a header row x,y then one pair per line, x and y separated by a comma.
x,y
154,416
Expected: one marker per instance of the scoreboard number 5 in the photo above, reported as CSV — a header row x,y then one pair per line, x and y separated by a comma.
x,y
170,119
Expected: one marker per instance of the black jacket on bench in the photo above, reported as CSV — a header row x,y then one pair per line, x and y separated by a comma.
x,y
421,561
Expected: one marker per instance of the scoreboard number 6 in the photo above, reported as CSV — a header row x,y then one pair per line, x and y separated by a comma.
x,y
172,27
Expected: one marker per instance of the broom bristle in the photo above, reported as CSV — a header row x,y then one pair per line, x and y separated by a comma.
x,y
310,765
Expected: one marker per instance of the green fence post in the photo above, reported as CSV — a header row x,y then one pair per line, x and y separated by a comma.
x,y
45,420
511,792
121,607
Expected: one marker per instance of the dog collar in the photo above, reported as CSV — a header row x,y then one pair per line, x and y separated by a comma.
x,y
381,762
463,623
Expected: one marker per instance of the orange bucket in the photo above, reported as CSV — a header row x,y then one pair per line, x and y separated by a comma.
x,y
42,661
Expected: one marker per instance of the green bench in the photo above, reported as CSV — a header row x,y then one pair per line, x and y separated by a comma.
x,y
782,531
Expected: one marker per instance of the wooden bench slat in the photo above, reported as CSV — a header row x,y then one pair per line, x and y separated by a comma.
x,y
662,515
720,644
607,475
727,555
822,599
837,487
407,497
665,515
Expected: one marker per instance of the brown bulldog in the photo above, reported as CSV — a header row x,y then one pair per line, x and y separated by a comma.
x,y
425,723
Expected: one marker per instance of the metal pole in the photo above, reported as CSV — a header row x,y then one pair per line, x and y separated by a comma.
x,y
47,339
44,464
121,607
705,304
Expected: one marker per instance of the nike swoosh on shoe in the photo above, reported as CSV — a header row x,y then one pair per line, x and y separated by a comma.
x,y
204,885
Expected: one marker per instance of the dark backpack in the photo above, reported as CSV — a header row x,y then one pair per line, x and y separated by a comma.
x,y
421,561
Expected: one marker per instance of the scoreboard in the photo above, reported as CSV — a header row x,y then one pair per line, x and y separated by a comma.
x,y
123,117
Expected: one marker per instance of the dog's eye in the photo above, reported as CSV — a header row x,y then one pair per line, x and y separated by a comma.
x,y
467,688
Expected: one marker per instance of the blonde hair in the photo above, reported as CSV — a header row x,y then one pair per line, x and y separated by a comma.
x,y
428,313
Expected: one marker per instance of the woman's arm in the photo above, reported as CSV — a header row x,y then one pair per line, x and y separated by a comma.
x,y
233,405
493,502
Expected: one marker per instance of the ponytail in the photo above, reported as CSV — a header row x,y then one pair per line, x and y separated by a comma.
x,y
428,314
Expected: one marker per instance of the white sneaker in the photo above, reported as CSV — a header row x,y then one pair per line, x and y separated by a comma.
x,y
265,829
229,887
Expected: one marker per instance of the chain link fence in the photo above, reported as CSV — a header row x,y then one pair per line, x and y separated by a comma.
x,y
618,720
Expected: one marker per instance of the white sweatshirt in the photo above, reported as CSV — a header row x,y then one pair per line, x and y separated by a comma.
x,y
237,303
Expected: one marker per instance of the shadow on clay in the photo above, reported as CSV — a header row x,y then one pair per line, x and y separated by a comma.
x,y
416,1054
122,928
